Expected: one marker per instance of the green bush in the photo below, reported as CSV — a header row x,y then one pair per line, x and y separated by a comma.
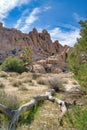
x,y
13,64
78,118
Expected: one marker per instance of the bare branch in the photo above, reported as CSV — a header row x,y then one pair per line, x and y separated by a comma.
x,y
14,114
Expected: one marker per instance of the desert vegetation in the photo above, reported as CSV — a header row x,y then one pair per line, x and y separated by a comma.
x,y
13,64
42,115
77,57
27,54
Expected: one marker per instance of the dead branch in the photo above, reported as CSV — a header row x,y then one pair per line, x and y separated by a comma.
x,y
14,114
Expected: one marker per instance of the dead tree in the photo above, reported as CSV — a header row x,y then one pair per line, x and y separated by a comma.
x,y
14,114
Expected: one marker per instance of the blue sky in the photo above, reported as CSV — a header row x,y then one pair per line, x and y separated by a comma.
x,y
59,17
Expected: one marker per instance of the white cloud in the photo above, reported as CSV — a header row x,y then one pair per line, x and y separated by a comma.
x,y
18,23
77,17
7,5
24,22
65,37
21,21
33,16
67,26
47,8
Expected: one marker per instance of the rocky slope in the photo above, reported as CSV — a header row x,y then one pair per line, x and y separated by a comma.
x,y
12,42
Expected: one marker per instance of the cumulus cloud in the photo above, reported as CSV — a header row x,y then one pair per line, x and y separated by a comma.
x,y
65,37
7,5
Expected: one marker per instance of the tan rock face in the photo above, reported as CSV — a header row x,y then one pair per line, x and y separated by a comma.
x,y
12,42
53,64
41,43
38,69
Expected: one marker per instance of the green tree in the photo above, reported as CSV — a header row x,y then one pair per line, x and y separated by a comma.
x,y
77,57
27,54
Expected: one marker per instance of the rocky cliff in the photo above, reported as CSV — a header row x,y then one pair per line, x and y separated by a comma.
x,y
12,42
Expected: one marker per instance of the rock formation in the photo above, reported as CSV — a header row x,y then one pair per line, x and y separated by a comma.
x,y
12,42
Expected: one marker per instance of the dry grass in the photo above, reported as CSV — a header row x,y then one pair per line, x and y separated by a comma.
x,y
2,85
75,83
27,85
35,76
13,74
27,80
23,88
10,100
3,74
42,81
17,83
56,84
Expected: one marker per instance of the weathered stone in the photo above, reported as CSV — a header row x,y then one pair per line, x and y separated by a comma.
x,y
12,43
38,69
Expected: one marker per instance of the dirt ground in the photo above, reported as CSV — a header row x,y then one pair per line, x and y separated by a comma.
x,y
27,85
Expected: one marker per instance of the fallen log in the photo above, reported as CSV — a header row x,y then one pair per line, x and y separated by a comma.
x,y
14,114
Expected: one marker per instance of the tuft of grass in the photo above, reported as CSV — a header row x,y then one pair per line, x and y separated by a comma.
x,y
11,101
74,83
65,82
13,74
27,81
23,88
35,76
56,85
17,83
3,74
2,85
41,82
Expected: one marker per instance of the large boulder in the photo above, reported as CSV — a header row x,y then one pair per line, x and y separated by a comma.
x,y
38,69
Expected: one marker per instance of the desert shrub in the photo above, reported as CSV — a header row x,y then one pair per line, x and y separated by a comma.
x,y
3,74
10,101
35,76
56,85
27,80
47,69
23,88
27,54
13,74
2,85
41,82
17,83
13,64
